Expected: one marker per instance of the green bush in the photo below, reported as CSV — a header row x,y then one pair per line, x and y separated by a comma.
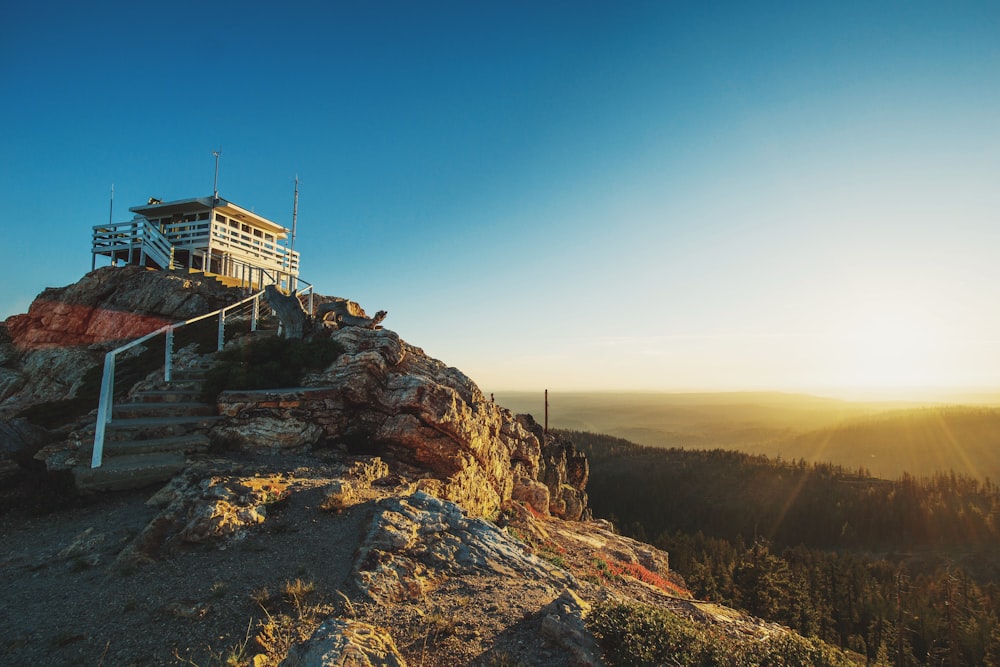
x,y
638,635
268,363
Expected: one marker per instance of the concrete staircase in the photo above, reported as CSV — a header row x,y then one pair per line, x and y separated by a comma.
x,y
148,440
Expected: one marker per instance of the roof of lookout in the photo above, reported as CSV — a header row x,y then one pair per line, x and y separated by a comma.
x,y
184,206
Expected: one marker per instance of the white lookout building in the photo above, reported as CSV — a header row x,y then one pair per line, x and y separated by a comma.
x,y
206,234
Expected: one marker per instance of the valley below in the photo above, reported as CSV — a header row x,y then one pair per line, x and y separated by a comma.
x,y
885,438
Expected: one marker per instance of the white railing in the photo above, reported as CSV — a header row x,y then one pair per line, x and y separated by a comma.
x,y
121,240
239,254
253,249
250,306
248,275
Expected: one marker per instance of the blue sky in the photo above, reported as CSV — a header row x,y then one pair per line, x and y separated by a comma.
x,y
573,195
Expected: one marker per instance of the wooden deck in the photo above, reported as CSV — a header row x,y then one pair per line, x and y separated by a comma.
x,y
234,253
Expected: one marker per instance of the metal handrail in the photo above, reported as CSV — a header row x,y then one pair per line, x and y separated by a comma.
x,y
104,406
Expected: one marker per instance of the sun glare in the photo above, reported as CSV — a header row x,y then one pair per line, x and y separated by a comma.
x,y
891,349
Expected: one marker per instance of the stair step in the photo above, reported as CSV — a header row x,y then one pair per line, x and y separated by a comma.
x,y
189,442
195,374
129,472
169,396
157,427
228,281
162,409
263,332
190,385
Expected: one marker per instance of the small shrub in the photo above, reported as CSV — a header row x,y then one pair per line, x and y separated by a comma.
x,y
267,363
635,634
262,596
550,555
280,631
501,659
441,623
297,591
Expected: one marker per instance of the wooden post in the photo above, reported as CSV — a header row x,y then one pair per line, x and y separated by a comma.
x,y
900,660
546,412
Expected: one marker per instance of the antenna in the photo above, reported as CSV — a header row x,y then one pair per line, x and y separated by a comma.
x,y
111,210
295,214
215,187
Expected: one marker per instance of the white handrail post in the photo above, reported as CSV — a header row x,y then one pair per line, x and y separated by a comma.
x,y
254,313
222,329
104,409
168,354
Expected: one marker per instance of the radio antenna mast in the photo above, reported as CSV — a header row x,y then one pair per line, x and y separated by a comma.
x,y
215,187
295,213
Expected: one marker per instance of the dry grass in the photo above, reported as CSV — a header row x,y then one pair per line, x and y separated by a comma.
x,y
283,628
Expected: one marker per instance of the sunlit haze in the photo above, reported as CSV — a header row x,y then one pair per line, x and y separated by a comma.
x,y
580,196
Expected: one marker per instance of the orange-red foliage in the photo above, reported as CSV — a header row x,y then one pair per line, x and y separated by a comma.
x,y
639,572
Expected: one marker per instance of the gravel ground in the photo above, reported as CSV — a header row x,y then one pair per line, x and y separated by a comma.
x,y
65,602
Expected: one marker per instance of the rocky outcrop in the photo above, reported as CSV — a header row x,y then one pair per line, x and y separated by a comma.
x,y
45,352
342,642
113,303
387,396
19,441
416,542
270,435
563,625
563,474
195,508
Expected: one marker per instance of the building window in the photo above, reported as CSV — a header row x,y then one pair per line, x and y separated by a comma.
x,y
221,218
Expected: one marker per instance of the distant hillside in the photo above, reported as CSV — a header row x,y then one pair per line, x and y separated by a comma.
x,y
688,420
821,549
885,438
918,441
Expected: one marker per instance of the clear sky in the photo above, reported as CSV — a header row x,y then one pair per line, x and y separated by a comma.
x,y
573,195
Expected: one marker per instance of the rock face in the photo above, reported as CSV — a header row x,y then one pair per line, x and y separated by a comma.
x,y
113,303
389,397
45,352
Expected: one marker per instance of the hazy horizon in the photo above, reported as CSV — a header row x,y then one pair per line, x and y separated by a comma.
x,y
906,395
887,437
